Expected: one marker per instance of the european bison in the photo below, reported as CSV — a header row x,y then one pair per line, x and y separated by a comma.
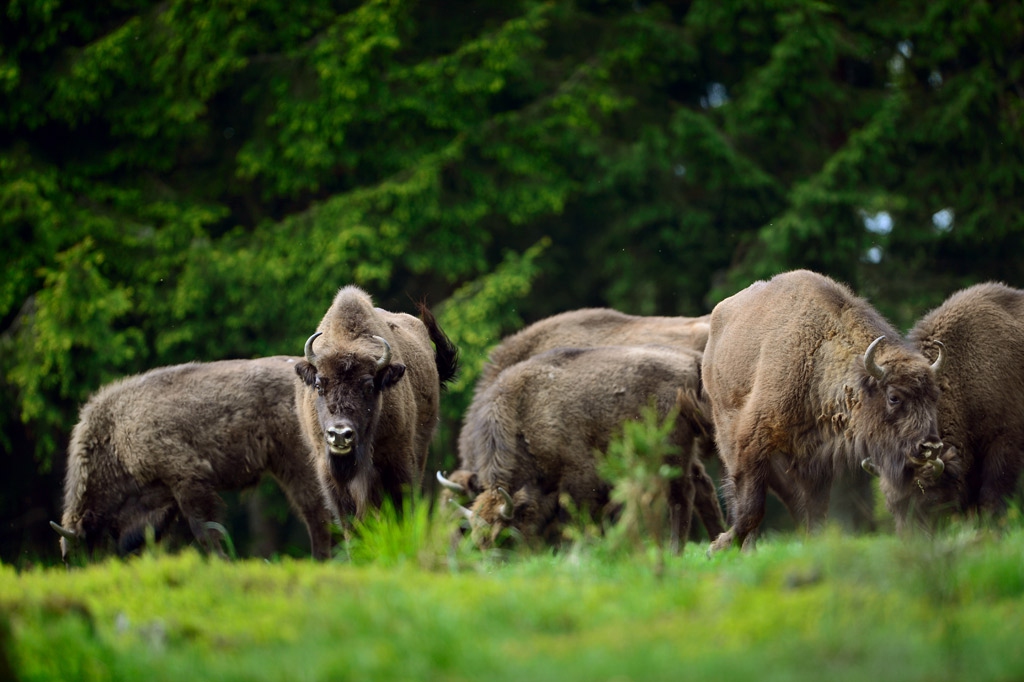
x,y
981,409
804,376
534,431
368,400
598,327
152,446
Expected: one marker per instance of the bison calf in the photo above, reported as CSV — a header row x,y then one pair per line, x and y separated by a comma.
x,y
533,432
368,400
803,376
155,445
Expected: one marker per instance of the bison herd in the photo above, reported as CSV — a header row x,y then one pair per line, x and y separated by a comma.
x,y
788,383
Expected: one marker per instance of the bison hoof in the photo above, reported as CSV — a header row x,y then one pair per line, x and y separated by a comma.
x,y
723,541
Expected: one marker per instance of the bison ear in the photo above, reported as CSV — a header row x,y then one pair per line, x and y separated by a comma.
x,y
306,372
389,376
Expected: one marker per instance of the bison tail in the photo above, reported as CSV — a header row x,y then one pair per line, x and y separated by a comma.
x,y
689,406
446,354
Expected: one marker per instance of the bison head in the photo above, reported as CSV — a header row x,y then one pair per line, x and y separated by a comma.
x,y
900,407
496,516
349,387
920,495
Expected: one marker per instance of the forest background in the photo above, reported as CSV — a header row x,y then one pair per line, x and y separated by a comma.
x,y
193,181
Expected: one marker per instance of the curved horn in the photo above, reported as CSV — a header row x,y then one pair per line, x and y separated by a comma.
x,y
508,506
869,466
308,349
450,485
869,360
64,532
467,513
936,366
385,359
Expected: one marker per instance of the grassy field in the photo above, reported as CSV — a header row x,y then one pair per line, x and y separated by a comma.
x,y
403,604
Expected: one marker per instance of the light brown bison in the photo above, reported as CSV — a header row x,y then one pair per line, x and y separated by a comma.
x,y
981,408
597,327
161,444
368,399
804,376
534,431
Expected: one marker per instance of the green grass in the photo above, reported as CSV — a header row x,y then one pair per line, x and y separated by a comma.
x,y
831,606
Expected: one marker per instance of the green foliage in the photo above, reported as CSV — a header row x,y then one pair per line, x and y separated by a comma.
x,y
912,608
635,466
419,536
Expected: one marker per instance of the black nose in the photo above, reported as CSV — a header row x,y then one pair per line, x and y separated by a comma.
x,y
340,436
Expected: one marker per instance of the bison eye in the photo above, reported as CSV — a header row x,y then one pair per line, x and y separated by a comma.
x,y
318,385
894,399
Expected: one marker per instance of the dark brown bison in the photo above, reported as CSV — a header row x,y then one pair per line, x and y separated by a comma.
x,y
154,446
803,376
534,431
597,327
368,400
981,408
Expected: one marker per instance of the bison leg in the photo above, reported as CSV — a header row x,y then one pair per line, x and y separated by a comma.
x,y
746,488
706,502
1000,472
304,493
681,491
312,508
805,497
197,501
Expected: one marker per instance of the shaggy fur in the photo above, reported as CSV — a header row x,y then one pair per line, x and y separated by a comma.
x,y
155,445
981,410
535,429
600,327
393,411
792,400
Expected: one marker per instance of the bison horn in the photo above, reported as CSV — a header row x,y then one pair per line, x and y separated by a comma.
x,y
936,366
467,513
938,466
64,532
308,350
869,466
449,484
507,506
385,359
869,360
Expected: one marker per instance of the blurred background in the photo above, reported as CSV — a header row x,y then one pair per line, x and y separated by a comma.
x,y
194,181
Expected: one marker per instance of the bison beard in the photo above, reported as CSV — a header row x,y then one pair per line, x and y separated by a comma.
x,y
804,377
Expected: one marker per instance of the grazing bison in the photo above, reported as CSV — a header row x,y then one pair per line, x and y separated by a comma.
x,y
534,431
981,408
597,327
152,446
803,376
368,400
